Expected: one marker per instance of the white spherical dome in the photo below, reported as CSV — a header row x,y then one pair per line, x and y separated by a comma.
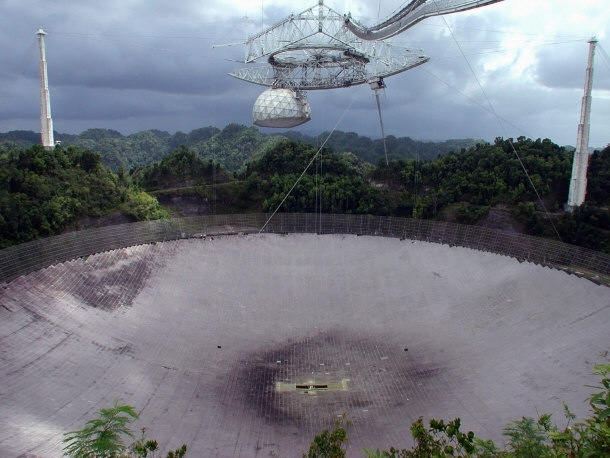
x,y
281,107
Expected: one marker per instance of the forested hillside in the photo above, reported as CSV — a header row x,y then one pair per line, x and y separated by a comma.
x,y
485,175
232,147
46,192
372,150
517,185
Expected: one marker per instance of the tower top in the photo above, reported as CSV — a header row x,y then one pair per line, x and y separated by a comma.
x,y
580,161
46,123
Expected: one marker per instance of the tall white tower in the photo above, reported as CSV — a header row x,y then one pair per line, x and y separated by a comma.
x,y
46,123
578,182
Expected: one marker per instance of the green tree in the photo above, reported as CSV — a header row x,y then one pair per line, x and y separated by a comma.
x,y
590,437
104,437
330,444
529,438
439,440
598,178
46,191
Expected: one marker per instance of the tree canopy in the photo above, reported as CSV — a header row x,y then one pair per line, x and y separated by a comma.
x,y
45,191
526,180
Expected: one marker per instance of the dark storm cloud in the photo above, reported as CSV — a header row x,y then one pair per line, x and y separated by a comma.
x,y
132,65
145,60
565,67
173,64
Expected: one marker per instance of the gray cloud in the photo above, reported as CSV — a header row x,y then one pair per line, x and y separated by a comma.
x,y
132,65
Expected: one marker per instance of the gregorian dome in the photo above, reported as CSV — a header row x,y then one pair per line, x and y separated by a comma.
x,y
281,107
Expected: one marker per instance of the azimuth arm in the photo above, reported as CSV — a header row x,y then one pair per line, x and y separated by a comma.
x,y
414,12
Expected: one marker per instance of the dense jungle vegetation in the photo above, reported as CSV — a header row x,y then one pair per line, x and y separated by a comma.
x,y
48,192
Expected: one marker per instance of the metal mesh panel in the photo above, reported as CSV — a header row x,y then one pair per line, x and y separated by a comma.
x,y
28,257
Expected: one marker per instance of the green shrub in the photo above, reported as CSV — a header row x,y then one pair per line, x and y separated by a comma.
x,y
142,206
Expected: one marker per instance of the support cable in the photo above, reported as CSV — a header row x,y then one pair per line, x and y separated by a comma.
x,y
415,172
605,57
381,84
480,105
320,191
546,212
308,165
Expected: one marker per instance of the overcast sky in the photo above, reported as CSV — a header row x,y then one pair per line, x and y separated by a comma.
x,y
133,65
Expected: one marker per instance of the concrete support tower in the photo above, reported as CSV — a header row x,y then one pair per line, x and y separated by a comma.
x,y
578,182
46,123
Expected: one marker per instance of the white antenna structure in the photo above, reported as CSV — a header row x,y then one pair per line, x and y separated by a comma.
x,y
320,48
46,123
580,164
